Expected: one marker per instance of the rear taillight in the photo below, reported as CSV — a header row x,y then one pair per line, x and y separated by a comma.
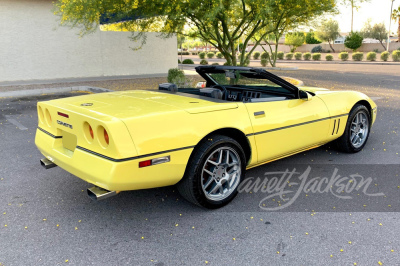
x,y
103,137
88,132
48,118
106,138
41,115
91,132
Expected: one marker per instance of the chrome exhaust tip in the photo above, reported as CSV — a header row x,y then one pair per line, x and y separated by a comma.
x,y
98,193
47,164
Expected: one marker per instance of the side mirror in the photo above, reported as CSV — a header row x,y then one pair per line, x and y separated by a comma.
x,y
305,96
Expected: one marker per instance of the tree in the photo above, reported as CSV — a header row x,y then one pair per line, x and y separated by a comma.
x,y
290,15
353,41
310,38
354,4
221,23
328,31
377,32
294,40
396,16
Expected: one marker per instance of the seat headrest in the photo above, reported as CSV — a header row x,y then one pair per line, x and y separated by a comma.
x,y
168,87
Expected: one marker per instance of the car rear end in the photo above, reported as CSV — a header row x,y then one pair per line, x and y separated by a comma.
x,y
84,143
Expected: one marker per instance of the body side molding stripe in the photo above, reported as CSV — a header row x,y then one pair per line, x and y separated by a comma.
x,y
132,158
295,125
48,133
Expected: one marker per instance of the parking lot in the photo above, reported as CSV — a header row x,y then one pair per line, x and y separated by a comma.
x,y
46,217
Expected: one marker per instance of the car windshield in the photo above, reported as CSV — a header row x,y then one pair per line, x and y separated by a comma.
x,y
244,79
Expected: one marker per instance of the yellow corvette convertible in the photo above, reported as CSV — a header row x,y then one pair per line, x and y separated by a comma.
x,y
203,139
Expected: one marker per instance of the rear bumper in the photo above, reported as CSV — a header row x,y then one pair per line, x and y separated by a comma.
x,y
111,175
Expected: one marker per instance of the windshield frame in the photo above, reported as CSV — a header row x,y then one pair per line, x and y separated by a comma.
x,y
205,71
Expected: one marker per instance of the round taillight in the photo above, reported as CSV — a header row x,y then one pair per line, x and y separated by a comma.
x,y
88,132
48,117
102,136
91,132
41,115
106,138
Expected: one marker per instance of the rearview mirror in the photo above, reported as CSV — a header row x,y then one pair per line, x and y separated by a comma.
x,y
305,96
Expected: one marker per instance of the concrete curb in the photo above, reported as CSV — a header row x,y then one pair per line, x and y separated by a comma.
x,y
281,68
338,62
24,93
266,68
300,83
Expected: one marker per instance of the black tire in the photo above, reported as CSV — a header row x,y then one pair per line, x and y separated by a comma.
x,y
191,188
344,143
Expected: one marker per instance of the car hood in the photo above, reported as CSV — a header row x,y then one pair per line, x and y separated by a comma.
x,y
139,103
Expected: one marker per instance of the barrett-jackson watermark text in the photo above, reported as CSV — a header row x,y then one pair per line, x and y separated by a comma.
x,y
283,185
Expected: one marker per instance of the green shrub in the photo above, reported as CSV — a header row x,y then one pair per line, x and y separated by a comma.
x,y
210,55
202,55
310,38
357,56
179,61
396,55
289,56
264,55
344,56
195,53
188,61
376,51
317,49
353,41
371,56
203,62
385,56
280,55
316,56
329,57
307,56
256,55
298,55
183,53
226,64
176,75
219,55
264,62
215,64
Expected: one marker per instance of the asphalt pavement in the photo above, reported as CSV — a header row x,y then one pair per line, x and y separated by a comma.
x,y
46,217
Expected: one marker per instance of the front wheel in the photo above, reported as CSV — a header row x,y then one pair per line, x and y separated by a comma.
x,y
357,130
214,172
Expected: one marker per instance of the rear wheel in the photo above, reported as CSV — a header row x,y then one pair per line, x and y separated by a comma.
x,y
357,130
214,172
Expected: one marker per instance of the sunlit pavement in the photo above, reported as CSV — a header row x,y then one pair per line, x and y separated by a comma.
x,y
46,217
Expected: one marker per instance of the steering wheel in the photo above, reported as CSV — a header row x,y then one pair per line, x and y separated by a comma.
x,y
223,89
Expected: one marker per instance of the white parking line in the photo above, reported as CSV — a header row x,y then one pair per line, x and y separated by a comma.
x,y
15,122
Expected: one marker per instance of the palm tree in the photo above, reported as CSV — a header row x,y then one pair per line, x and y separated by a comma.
x,y
396,16
354,4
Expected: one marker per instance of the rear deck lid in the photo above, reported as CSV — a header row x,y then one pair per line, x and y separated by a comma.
x,y
127,104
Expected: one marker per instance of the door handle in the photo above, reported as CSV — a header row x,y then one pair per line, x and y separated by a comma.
x,y
259,113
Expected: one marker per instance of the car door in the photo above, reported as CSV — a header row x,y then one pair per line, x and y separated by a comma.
x,y
284,127
283,122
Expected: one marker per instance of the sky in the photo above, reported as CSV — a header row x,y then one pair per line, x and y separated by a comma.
x,y
377,10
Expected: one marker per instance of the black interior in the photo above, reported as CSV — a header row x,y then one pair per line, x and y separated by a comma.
x,y
238,94
275,88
